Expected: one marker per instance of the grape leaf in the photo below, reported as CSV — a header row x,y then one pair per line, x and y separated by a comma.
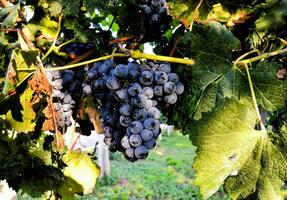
x,y
19,59
81,169
26,122
55,8
211,48
45,25
12,14
185,11
72,8
270,91
229,148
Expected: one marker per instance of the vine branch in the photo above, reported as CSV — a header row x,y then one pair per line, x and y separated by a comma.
x,y
254,98
133,54
55,39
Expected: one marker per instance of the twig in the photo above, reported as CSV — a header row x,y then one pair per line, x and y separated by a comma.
x,y
194,13
82,57
55,39
9,30
75,142
174,46
122,39
264,55
254,98
26,39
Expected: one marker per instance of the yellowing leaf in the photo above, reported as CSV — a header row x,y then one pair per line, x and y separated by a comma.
x,y
26,116
229,148
81,169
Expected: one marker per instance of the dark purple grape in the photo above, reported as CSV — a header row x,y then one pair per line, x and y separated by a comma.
x,y
134,89
158,90
153,112
150,123
135,140
170,99
146,135
126,109
113,83
125,142
179,88
136,127
165,67
150,144
125,121
148,91
141,152
161,77
169,87
140,114
173,77
121,71
146,78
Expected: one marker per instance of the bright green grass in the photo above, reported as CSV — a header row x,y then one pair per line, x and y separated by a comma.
x,y
166,174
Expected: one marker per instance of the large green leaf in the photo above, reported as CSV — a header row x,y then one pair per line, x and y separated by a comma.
x,y
229,148
22,119
20,59
81,169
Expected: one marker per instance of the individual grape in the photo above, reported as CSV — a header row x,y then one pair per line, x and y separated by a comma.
x,y
148,104
117,135
121,95
145,68
146,135
179,88
161,77
108,141
140,114
115,145
146,78
113,83
126,109
68,72
108,131
67,79
170,99
135,140
150,144
57,84
148,91
67,99
140,101
153,112
125,142
97,85
121,71
130,152
156,132
165,67
133,69
110,63
169,87
56,93
66,107
146,9
103,69
136,127
125,121
87,90
158,90
134,89
149,123
155,19
128,132
173,77
91,75
141,152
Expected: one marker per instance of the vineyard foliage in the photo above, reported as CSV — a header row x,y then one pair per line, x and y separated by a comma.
x,y
233,66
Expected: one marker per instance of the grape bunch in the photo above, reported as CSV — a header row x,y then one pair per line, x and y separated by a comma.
x,y
130,98
66,93
155,12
